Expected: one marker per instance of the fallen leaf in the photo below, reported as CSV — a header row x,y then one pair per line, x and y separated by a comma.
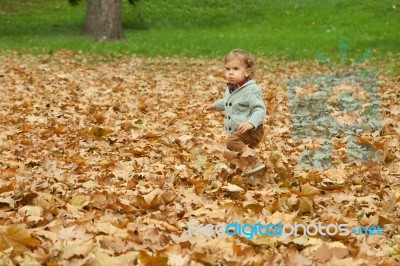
x,y
77,248
16,237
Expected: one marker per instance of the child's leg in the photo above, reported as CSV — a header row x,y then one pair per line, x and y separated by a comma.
x,y
238,141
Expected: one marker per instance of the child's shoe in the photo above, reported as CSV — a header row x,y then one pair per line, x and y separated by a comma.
x,y
254,170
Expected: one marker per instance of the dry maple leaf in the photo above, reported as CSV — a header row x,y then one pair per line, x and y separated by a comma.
x,y
16,237
309,191
77,248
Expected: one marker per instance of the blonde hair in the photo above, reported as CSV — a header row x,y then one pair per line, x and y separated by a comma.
x,y
245,57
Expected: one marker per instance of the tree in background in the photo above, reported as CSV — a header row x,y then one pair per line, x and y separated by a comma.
x,y
103,18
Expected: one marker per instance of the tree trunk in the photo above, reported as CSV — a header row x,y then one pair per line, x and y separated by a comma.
x,y
103,19
92,11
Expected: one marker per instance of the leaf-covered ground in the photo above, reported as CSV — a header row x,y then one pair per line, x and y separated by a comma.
x,y
105,162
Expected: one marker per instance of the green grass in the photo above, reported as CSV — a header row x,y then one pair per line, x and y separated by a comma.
x,y
293,30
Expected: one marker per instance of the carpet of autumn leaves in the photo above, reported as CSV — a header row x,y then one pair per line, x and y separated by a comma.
x,y
105,162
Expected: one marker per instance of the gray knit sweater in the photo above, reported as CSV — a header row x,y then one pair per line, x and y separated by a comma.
x,y
245,104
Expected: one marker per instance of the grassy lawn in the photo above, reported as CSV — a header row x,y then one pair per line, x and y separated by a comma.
x,y
293,30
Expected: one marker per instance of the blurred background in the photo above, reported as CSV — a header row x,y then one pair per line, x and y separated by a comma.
x,y
292,29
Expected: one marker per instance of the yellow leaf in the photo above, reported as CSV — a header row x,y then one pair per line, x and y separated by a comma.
x,y
17,237
305,205
98,132
309,191
80,201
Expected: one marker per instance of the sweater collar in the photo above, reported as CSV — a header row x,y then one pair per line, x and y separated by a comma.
x,y
233,87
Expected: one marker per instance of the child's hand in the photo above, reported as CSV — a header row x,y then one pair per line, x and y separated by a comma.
x,y
207,107
244,126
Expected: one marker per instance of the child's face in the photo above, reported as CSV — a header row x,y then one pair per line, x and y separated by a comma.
x,y
236,71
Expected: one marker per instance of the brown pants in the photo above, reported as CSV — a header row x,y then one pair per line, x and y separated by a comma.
x,y
238,141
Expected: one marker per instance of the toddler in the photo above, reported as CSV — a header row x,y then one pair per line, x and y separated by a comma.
x,y
243,105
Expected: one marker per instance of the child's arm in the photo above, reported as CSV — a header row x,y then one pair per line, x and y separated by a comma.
x,y
220,104
208,107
